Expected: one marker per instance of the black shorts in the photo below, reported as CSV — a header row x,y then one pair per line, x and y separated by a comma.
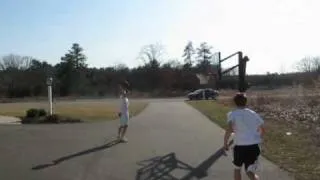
x,y
246,155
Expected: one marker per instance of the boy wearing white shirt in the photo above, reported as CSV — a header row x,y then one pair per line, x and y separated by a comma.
x,y
124,111
247,127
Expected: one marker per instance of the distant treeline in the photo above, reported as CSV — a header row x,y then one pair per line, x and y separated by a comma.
x,y
26,77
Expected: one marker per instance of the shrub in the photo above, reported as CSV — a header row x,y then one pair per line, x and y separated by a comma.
x,y
39,116
60,119
31,113
42,112
32,120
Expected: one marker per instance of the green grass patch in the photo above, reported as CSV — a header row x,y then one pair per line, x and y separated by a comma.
x,y
296,153
214,111
88,111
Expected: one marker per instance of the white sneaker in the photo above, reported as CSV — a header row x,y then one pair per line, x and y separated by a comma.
x,y
255,167
124,139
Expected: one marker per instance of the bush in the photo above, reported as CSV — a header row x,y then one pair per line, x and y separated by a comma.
x,y
50,119
42,112
60,119
31,113
39,116
32,120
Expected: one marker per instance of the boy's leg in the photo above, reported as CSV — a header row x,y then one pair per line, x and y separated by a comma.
x,y
124,130
251,163
122,124
120,131
237,174
124,121
237,161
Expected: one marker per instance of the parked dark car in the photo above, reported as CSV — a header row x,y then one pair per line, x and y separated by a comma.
x,y
207,93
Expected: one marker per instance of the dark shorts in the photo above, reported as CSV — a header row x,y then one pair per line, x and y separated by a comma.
x,y
246,155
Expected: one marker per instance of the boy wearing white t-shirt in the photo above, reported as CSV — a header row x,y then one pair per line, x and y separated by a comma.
x,y
247,127
124,111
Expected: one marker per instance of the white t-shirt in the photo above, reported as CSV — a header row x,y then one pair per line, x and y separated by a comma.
x,y
124,106
246,125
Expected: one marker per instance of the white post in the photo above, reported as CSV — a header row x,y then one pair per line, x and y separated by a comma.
x,y
50,98
49,83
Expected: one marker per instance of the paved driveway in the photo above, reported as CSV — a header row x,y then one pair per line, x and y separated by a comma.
x,y
169,140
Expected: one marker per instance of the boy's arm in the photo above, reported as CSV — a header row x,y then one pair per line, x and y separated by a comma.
x,y
120,107
227,135
261,128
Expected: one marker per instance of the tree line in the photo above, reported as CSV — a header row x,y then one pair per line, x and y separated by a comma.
x,y
24,76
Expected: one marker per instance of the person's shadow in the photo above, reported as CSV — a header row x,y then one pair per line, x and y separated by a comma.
x,y
68,157
162,167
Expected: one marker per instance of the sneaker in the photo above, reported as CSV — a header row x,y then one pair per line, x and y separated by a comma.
x,y
124,139
255,167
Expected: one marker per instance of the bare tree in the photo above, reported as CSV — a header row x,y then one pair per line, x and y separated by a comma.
x,y
152,53
13,61
309,64
316,64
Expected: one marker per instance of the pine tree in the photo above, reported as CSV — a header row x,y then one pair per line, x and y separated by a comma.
x,y
188,53
204,57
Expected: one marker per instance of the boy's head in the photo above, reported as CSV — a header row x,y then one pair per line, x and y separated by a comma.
x,y
124,87
240,99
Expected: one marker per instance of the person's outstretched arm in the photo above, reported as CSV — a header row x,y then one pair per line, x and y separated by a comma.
x,y
227,135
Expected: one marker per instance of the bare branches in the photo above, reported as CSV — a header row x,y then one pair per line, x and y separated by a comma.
x,y
309,64
151,52
13,61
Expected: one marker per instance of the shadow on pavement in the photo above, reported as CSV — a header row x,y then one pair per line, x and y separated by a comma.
x,y
65,158
163,167
201,170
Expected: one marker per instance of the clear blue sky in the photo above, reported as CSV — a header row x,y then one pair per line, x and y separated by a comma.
x,y
273,33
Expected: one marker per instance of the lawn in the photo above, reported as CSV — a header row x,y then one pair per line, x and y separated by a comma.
x,y
85,110
298,153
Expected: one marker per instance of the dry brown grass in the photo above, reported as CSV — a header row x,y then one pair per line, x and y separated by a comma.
x,y
311,90
297,111
93,110
299,153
